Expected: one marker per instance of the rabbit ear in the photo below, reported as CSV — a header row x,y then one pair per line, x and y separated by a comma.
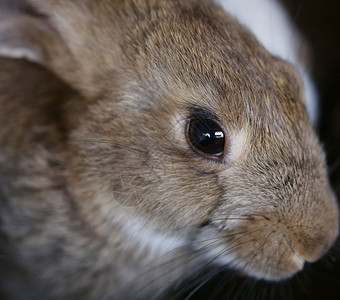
x,y
19,38
31,37
62,39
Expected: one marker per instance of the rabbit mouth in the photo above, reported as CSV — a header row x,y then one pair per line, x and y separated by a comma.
x,y
266,252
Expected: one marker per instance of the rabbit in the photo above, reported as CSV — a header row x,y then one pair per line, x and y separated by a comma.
x,y
146,141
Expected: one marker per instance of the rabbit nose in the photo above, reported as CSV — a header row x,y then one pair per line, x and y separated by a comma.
x,y
310,244
310,248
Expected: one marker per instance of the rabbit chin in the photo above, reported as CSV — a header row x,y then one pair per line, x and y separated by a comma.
x,y
263,271
274,262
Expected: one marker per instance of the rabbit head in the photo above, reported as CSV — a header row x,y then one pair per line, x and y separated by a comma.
x,y
191,135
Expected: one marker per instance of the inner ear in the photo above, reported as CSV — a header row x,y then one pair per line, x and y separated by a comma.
x,y
32,36
21,37
68,38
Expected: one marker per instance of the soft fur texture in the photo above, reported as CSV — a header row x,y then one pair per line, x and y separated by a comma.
x,y
101,194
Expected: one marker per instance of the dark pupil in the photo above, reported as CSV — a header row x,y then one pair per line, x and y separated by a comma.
x,y
206,136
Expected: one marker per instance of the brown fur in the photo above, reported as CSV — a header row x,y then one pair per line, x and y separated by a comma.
x,y
81,165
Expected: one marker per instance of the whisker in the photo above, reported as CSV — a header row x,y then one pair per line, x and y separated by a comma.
x,y
247,217
188,260
231,218
203,280
228,249
210,262
302,286
209,239
222,283
206,265
256,252
178,263
194,254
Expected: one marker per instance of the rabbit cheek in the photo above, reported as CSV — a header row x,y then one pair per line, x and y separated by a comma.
x,y
151,176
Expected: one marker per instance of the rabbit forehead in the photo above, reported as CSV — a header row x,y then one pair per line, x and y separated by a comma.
x,y
219,65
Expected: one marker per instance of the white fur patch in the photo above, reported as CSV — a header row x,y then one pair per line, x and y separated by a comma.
x,y
238,144
155,242
139,234
20,53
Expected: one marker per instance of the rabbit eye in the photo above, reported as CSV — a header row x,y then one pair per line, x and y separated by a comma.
x,y
206,137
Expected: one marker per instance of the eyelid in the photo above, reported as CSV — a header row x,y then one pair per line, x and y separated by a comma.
x,y
204,113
